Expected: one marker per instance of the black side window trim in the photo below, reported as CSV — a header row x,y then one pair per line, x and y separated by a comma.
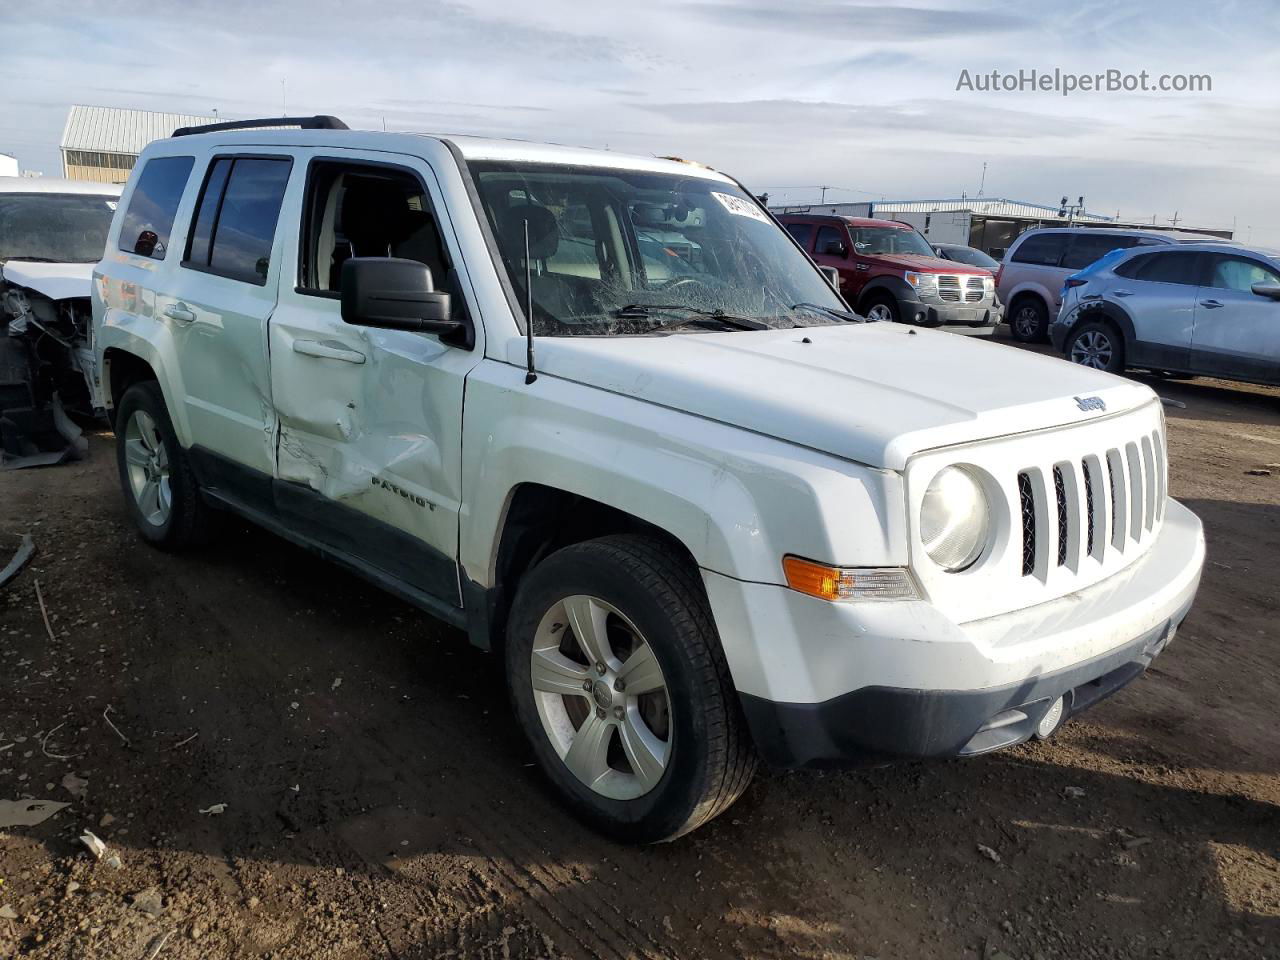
x,y
308,208
189,264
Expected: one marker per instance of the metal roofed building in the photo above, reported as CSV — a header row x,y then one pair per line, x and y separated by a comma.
x,y
990,225
103,143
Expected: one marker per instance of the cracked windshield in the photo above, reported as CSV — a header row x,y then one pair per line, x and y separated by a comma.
x,y
607,251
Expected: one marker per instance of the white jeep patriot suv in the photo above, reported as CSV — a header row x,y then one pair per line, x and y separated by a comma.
x,y
602,413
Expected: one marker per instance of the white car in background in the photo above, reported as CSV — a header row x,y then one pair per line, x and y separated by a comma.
x,y
52,232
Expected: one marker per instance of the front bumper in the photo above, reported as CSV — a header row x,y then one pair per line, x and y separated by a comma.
x,y
982,317
838,684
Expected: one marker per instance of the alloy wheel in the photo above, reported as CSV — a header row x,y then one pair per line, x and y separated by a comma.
x,y
148,468
601,697
880,311
1026,322
1092,349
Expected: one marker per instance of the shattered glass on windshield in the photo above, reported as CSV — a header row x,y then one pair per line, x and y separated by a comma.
x,y
604,251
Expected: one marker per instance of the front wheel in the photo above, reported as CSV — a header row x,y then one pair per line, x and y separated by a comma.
x,y
1096,345
618,679
882,307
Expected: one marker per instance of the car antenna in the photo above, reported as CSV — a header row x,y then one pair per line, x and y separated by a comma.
x,y
531,375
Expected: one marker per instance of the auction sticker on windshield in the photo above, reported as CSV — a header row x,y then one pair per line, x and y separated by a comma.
x,y
740,207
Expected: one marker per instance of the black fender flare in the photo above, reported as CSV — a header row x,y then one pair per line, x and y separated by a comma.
x,y
896,287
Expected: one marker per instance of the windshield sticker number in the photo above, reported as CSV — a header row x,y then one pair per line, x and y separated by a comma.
x,y
739,207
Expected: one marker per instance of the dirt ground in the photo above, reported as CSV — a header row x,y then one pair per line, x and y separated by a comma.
x,y
380,803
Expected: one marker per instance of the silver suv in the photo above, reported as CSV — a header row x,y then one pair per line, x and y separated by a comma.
x,y
1029,282
1207,309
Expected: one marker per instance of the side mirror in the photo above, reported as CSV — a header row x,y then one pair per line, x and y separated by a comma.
x,y
834,248
1271,290
395,294
832,275
146,243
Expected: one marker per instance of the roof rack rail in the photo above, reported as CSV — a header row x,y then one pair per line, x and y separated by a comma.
x,y
318,122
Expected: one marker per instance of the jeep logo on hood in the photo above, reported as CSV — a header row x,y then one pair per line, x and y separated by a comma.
x,y
1090,403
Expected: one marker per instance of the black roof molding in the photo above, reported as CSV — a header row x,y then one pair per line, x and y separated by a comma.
x,y
318,122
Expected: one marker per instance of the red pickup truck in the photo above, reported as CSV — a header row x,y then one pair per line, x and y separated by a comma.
x,y
888,271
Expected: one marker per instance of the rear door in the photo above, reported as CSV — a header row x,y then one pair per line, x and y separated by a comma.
x,y
1158,292
1237,332
217,302
370,420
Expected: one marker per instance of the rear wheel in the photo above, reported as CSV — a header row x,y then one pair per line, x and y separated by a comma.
x,y
1098,345
1029,320
617,676
160,490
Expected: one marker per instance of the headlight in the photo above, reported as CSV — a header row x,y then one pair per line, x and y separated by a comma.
x,y
954,519
923,282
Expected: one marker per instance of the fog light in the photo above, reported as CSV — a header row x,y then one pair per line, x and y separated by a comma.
x,y
1051,720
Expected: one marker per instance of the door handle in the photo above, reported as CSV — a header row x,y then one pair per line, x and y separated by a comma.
x,y
1123,293
1211,304
176,311
327,350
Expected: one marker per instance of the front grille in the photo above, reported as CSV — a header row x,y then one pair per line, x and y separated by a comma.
x,y
949,287
973,289
1136,488
1027,497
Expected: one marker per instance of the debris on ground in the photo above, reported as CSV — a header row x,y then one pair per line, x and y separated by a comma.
x,y
93,844
8,913
1073,793
149,901
215,810
26,550
74,785
989,853
1258,473
27,813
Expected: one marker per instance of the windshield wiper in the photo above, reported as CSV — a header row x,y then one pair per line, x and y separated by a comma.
x,y
846,315
697,316
19,256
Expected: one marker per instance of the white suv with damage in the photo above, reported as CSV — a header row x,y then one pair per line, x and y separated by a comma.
x,y
603,414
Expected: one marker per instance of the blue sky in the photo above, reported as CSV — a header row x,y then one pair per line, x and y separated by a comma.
x,y
785,96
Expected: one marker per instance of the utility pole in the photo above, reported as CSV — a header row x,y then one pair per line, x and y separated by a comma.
x,y
1175,218
983,182
1071,210
824,194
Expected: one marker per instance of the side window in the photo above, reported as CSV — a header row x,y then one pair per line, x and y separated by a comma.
x,y
235,223
1240,273
1086,248
803,232
1042,249
148,221
828,236
1182,267
367,210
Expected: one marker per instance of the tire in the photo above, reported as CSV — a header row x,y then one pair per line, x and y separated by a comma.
x,y
160,490
663,761
1096,344
1029,320
881,306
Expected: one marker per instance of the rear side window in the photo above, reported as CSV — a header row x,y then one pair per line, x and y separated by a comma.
x,y
149,219
803,232
1172,267
1085,248
1043,249
235,222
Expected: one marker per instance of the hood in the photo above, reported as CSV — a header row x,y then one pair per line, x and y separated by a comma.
x,y
57,281
923,264
875,393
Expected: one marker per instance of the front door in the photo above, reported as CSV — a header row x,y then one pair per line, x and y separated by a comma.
x,y
831,248
370,421
1237,332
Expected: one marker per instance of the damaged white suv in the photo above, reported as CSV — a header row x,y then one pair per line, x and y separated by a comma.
x,y
602,413
51,234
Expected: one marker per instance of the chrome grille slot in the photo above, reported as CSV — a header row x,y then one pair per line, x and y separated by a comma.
x,y
949,287
1162,476
1119,503
1089,507
1148,483
1134,460
973,289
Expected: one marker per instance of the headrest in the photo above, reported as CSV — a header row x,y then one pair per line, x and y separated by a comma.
x,y
544,232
